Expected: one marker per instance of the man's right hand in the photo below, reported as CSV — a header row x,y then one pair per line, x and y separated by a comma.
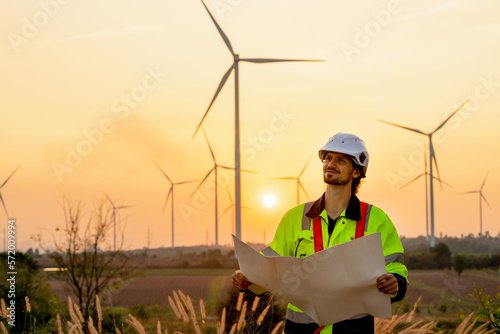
x,y
239,281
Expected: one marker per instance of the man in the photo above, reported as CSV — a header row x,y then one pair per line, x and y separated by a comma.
x,y
337,217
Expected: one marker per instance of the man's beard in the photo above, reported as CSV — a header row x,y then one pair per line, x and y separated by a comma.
x,y
337,181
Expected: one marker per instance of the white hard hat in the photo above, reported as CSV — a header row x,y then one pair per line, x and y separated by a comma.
x,y
348,144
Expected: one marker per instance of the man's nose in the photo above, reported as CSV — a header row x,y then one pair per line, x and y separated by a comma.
x,y
331,163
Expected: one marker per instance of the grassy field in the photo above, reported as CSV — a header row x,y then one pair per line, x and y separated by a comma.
x,y
444,296
188,272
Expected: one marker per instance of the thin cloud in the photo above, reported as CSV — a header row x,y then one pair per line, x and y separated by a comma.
x,y
102,34
442,7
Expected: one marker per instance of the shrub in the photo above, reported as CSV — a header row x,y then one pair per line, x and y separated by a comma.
x,y
459,263
31,283
442,255
140,311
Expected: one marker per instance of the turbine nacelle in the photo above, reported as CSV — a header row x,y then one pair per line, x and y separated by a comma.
x,y
234,66
432,158
481,198
299,184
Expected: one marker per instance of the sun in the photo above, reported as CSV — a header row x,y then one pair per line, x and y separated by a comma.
x,y
269,200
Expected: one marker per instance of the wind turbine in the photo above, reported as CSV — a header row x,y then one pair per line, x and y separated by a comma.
x,y
299,184
113,215
215,171
432,157
481,197
235,67
426,193
231,207
171,192
3,184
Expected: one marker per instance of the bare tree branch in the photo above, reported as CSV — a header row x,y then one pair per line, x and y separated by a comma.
x,y
84,254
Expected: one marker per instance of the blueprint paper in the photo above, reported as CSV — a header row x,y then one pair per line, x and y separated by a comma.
x,y
335,284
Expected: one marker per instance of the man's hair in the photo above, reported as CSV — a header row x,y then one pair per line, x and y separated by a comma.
x,y
356,183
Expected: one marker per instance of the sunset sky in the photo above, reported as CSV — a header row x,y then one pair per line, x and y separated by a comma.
x,y
92,93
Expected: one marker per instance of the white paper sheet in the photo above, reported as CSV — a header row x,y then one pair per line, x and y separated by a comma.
x,y
335,284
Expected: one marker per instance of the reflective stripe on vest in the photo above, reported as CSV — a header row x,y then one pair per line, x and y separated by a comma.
x,y
360,225
318,236
360,228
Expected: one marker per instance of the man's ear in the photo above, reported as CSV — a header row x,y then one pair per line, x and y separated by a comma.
x,y
356,173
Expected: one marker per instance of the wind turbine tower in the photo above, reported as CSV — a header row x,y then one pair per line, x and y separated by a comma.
x,y
432,158
299,184
3,184
216,177
171,192
113,215
481,198
231,207
426,174
235,66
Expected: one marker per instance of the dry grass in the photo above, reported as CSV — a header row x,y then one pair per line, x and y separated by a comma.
x,y
182,306
383,326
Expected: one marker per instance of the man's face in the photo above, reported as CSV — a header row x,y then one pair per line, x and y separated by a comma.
x,y
338,169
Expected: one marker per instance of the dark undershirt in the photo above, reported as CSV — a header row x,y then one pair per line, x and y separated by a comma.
x,y
331,225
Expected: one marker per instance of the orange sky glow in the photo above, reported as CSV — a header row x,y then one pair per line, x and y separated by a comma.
x,y
93,93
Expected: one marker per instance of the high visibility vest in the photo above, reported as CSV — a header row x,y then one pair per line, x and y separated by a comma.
x,y
295,237
318,233
318,236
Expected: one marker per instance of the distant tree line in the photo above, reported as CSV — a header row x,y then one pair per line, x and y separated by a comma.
x,y
462,262
469,244
441,257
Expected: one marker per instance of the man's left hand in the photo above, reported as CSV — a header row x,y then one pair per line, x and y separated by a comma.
x,y
387,284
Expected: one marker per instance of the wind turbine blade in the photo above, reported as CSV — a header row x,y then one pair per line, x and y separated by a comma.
x,y
305,166
229,195
222,34
249,171
243,170
168,196
275,60
441,181
413,180
199,185
110,201
183,182
469,192
303,189
221,84
246,207
15,170
165,174
4,207
403,127
209,147
482,185
283,178
453,113
124,207
425,159
485,200
225,211
433,156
